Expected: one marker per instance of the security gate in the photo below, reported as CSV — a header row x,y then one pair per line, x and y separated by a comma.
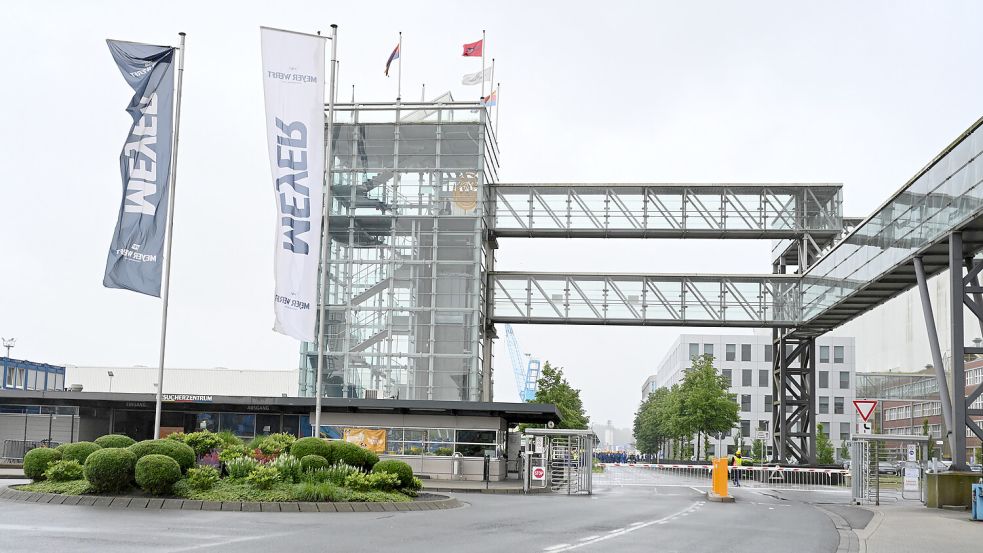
x,y
567,458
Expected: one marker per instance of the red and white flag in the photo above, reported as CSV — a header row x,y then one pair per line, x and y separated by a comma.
x,y
473,50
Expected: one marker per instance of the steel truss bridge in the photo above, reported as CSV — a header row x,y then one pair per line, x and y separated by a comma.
x,y
826,269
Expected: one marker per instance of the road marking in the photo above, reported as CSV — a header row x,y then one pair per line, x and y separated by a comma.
x,y
623,531
697,490
589,538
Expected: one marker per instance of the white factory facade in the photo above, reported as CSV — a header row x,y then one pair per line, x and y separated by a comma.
x,y
746,361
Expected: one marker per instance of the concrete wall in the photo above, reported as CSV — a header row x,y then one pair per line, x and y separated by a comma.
x,y
442,468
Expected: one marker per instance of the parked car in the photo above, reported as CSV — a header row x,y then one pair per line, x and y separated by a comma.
x,y
885,467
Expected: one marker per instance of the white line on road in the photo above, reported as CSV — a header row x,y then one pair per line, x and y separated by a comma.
x,y
622,531
589,538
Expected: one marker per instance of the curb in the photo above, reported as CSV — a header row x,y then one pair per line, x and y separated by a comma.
x,y
500,491
849,540
169,504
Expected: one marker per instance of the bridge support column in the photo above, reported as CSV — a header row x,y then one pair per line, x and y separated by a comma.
x,y
963,291
793,412
933,342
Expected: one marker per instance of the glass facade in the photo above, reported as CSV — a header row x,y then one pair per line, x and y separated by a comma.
x,y
28,375
926,209
407,261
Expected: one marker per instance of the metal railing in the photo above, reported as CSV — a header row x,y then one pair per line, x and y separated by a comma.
x,y
14,450
774,476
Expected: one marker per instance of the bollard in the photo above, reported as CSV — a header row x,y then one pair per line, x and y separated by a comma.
x,y
718,492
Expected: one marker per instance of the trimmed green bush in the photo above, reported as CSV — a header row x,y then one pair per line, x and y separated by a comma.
x,y
64,470
115,440
402,470
352,454
275,444
202,477
263,477
37,460
79,451
110,469
371,458
157,473
203,442
311,446
311,463
180,452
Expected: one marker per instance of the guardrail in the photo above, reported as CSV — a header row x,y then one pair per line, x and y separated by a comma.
x,y
770,476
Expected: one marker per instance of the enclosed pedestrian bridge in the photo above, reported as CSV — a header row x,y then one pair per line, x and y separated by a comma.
x,y
416,214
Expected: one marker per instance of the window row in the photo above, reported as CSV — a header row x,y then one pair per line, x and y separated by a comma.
x,y
730,352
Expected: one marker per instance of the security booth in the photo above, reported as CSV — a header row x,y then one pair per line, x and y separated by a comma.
x,y
558,459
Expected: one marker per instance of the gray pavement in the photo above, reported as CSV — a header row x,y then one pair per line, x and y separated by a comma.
x,y
630,512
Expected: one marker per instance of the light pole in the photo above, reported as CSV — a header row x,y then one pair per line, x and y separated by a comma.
x,y
9,343
110,373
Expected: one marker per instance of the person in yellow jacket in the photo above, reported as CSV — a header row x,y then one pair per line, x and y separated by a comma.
x,y
735,462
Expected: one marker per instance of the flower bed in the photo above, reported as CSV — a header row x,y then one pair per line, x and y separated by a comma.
x,y
268,472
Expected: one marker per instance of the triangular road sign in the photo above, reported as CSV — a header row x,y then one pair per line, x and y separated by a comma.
x,y
865,407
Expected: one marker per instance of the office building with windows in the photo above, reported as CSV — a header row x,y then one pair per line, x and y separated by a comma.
x,y
746,362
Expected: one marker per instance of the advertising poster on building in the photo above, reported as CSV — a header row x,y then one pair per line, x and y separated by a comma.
x,y
293,86
373,439
136,254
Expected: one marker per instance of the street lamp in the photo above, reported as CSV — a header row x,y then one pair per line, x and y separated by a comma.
x,y
9,343
110,373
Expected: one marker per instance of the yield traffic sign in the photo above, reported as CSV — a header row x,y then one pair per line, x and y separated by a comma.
x,y
865,407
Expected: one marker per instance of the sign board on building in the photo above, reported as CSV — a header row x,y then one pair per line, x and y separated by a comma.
x,y
372,439
538,473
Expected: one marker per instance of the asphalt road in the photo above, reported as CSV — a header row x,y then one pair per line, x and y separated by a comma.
x,y
632,510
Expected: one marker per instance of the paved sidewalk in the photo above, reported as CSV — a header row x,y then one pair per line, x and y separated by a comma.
x,y
917,529
11,473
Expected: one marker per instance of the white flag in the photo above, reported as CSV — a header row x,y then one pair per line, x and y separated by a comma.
x,y
293,84
476,78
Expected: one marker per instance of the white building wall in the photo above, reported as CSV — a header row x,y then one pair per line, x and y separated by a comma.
x,y
213,381
677,360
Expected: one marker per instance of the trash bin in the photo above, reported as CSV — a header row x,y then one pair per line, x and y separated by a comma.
x,y
977,502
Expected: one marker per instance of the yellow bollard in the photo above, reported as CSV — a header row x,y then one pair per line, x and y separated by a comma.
x,y
719,489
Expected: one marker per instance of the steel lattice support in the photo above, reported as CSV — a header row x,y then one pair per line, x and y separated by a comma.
x,y
793,411
965,291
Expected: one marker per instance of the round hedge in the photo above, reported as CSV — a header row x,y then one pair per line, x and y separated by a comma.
x,y
157,473
115,440
180,452
310,446
36,461
110,469
371,459
403,470
78,451
313,462
351,454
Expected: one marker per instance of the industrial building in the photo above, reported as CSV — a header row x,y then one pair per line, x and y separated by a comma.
x,y
746,361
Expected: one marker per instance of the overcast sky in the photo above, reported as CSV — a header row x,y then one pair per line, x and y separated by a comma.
x,y
860,93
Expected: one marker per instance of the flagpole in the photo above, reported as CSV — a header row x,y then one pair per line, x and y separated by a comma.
x,y
165,295
498,89
483,48
492,79
353,93
423,93
325,242
399,70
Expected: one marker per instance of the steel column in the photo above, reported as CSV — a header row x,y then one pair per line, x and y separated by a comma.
x,y
933,341
794,404
956,297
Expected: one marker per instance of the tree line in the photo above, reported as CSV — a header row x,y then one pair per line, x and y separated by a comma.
x,y
670,419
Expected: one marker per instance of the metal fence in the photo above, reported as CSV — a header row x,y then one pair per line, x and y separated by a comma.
x,y
14,450
768,476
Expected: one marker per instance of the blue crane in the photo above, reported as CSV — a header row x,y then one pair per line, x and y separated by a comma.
x,y
526,372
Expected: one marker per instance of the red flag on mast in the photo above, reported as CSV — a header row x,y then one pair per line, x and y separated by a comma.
x,y
473,50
